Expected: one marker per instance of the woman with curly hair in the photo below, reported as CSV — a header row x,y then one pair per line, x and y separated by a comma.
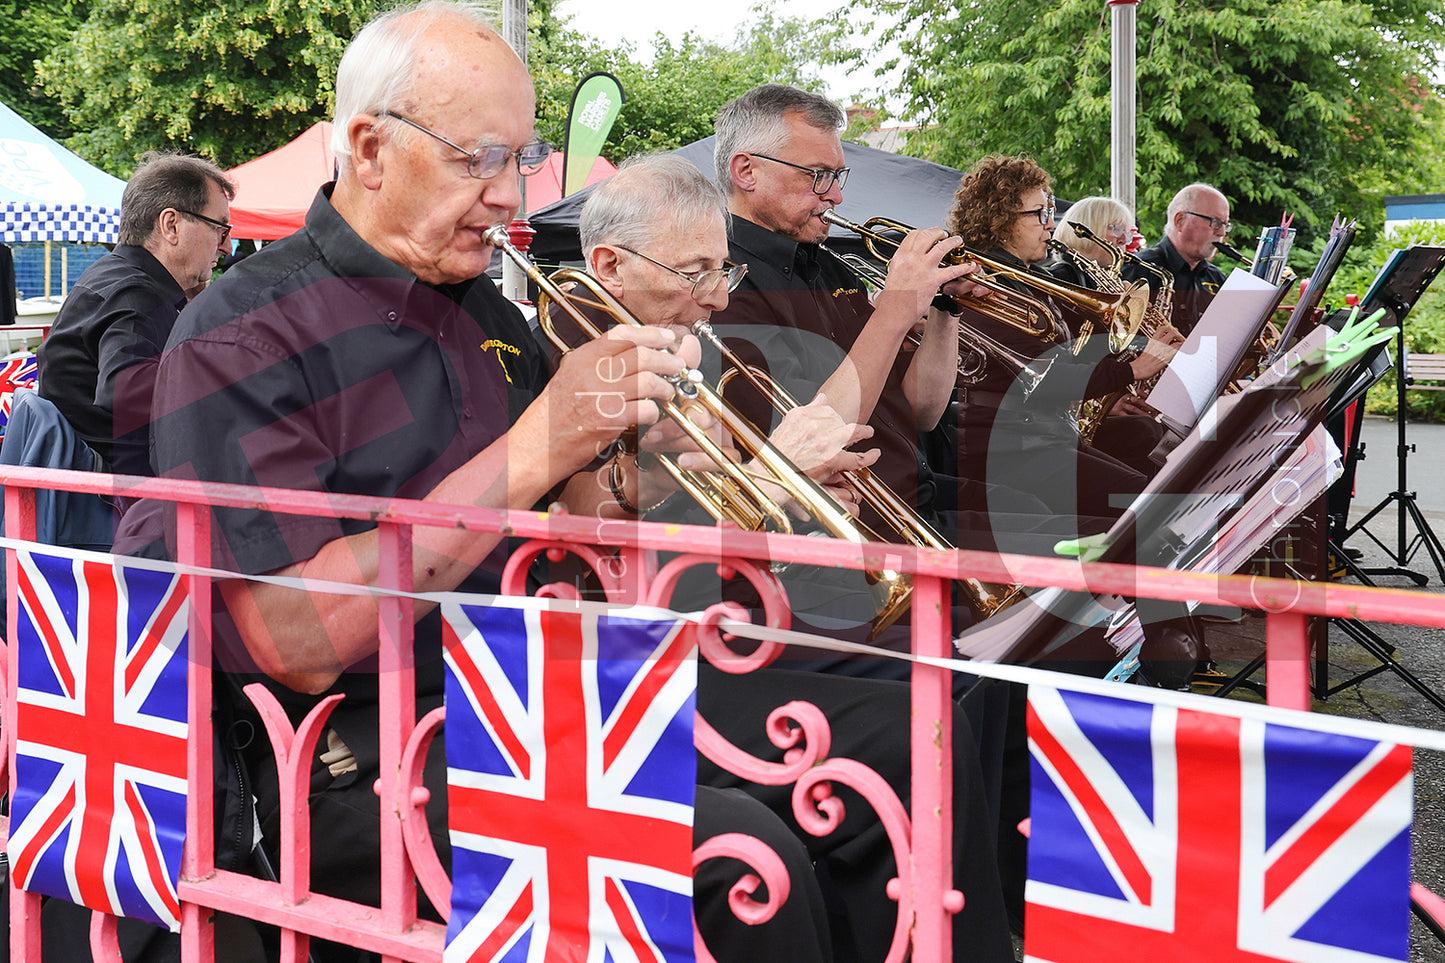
x,y
1017,434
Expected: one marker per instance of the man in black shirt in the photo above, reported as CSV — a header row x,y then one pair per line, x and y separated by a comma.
x,y
366,354
1197,217
98,362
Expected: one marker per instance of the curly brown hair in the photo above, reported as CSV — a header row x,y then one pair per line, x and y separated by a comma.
x,y
987,199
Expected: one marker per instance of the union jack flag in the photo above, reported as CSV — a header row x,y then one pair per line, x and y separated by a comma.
x,y
1171,834
571,773
15,374
99,798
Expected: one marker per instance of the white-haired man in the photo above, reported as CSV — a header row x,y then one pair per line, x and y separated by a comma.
x,y
655,236
366,354
1196,218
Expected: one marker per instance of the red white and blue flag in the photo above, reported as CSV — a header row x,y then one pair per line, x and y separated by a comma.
x,y
99,799
16,374
571,773
1160,833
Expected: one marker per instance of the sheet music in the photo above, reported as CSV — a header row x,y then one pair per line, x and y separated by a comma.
x,y
1229,325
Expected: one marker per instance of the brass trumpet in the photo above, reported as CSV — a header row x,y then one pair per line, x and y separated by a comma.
x,y
973,343
1025,312
984,598
730,492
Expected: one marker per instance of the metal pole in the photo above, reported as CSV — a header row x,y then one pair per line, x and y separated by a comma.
x,y
514,26
1122,156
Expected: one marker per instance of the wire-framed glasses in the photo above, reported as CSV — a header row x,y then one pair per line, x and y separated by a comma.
x,y
488,161
706,282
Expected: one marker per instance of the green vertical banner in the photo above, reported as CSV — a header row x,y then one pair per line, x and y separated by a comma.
x,y
595,106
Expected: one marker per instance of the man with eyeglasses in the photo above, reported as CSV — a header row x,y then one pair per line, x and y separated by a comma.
x,y
368,354
655,237
1196,218
97,364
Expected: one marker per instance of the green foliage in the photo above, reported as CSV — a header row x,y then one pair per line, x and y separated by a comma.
x,y
673,95
32,30
227,81
1307,106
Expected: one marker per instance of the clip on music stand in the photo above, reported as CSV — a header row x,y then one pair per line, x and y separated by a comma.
x,y
1396,289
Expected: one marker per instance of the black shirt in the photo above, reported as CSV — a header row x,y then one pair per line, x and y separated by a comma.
x,y
1194,287
796,315
319,364
98,362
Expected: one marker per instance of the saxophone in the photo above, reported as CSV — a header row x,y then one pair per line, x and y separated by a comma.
x,y
1159,312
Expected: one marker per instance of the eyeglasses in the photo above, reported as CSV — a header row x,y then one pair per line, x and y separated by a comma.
x,y
703,283
485,162
224,227
1044,214
1215,224
822,177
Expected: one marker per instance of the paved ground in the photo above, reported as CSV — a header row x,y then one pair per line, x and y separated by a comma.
x,y
1385,696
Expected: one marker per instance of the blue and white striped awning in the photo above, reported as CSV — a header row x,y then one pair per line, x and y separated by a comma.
x,y
82,223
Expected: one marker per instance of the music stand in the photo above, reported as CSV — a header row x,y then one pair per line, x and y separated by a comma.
x,y
1398,286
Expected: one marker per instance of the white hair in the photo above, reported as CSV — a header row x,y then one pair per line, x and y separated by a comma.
x,y
649,193
756,122
1096,213
377,71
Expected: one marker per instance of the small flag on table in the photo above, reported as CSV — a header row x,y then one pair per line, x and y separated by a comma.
x,y
571,772
1161,833
99,801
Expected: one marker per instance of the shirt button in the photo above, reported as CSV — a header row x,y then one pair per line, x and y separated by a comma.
x,y
391,315
467,412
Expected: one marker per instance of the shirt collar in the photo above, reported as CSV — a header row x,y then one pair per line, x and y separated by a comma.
x,y
763,246
151,265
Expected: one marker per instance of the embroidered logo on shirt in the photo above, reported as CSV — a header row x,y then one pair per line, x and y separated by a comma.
x,y
501,346
844,292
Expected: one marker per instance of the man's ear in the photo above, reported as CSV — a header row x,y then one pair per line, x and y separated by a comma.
x,y
743,175
168,228
365,143
603,263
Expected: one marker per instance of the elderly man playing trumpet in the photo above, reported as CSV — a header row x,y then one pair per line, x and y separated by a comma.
x,y
655,236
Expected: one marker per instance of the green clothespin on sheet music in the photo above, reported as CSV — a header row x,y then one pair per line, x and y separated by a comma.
x,y
1089,548
1346,345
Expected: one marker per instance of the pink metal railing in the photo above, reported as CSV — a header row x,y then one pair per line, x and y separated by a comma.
x,y
921,837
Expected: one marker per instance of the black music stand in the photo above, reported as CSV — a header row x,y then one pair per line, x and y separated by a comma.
x,y
1174,521
1396,289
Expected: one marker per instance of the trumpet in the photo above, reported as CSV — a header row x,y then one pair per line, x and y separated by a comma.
x,y
973,343
731,492
984,598
1027,312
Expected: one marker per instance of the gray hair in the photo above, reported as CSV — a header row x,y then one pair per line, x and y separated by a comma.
x,y
166,179
756,123
649,193
1187,198
378,69
1096,213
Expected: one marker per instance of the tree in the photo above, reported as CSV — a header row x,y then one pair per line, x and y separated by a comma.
x,y
1306,106
671,101
227,81
32,30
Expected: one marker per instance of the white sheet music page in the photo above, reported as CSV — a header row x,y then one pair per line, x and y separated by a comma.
x,y
1227,326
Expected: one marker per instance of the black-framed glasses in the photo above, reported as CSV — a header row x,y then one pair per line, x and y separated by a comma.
x,y
1215,224
823,178
703,283
223,226
488,161
1044,214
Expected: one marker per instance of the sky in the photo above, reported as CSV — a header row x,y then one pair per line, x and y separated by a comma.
x,y
638,21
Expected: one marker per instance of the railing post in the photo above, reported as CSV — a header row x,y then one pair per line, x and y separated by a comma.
x,y
1287,659
396,701
19,523
198,858
931,848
